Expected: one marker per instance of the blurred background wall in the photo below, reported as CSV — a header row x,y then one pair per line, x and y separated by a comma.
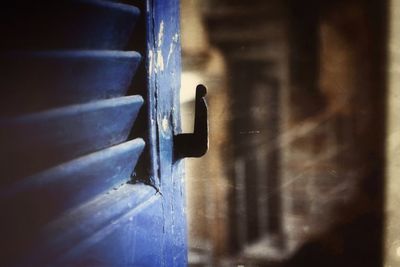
x,y
295,174
392,227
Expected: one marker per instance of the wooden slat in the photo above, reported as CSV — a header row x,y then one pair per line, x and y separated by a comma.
x,y
32,81
78,24
63,102
36,141
77,180
29,204
136,239
85,226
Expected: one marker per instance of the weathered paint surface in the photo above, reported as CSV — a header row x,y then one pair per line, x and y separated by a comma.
x,y
103,232
153,232
82,212
164,84
30,204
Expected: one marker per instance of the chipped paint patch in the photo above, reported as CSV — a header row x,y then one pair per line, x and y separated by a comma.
x,y
171,50
160,60
161,35
159,56
150,62
165,124
175,40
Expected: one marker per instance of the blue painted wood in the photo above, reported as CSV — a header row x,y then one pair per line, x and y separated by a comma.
x,y
164,82
144,226
134,241
116,229
30,204
40,140
32,81
68,239
75,24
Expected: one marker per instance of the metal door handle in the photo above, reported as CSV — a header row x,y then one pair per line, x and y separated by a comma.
x,y
195,144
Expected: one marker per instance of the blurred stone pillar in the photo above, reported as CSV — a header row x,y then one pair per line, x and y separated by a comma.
x,y
255,126
251,37
302,101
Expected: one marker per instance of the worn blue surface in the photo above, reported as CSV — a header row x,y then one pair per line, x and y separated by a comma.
x,y
61,134
154,235
110,230
28,205
56,78
164,68
73,214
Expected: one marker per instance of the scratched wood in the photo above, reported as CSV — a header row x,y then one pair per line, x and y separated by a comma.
x,y
165,82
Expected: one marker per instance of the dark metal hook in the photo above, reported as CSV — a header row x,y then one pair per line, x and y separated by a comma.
x,y
195,144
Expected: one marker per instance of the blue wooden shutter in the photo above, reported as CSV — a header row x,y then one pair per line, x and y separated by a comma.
x,y
66,194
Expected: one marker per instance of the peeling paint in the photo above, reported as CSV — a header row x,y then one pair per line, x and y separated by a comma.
x,y
159,56
175,40
165,124
160,60
164,23
161,35
150,62
171,50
